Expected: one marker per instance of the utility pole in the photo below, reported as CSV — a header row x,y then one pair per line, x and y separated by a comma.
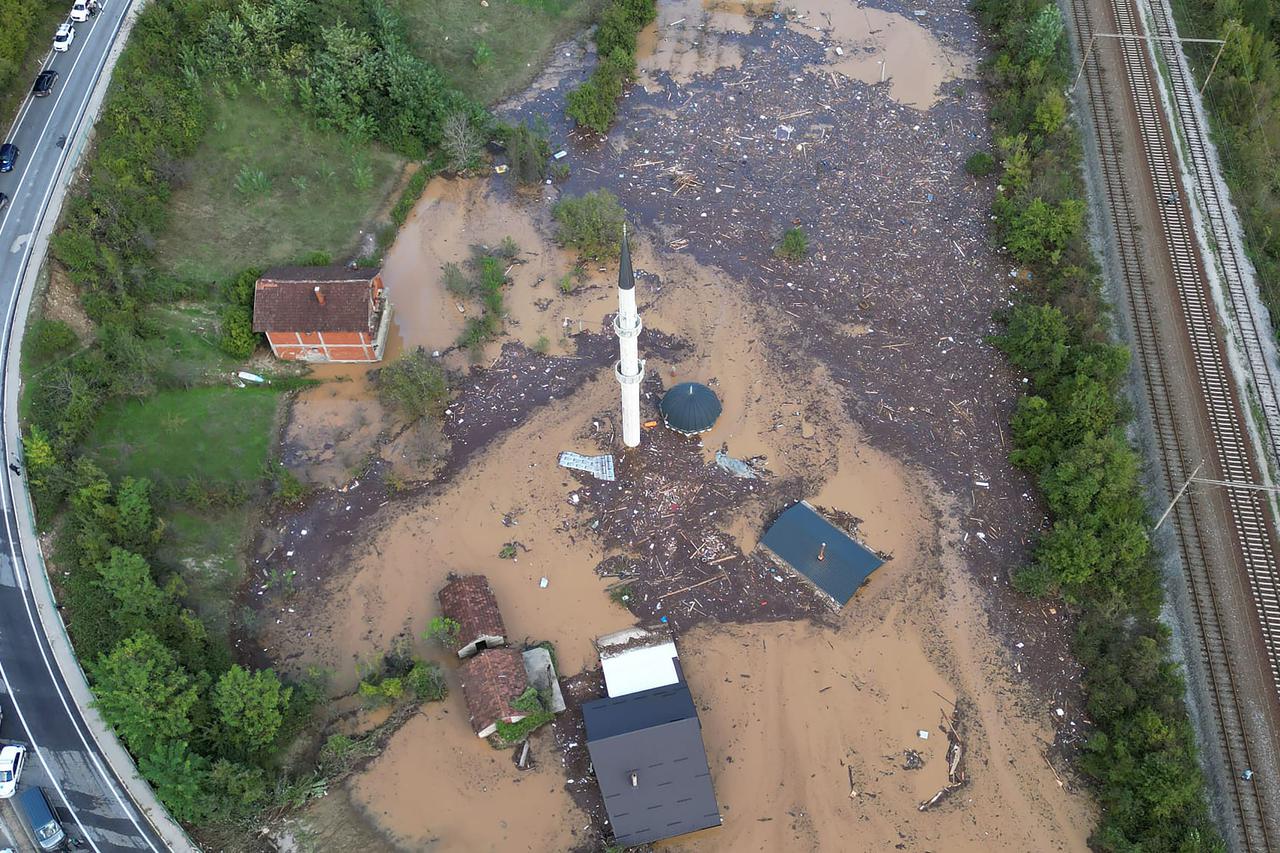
x,y
1252,487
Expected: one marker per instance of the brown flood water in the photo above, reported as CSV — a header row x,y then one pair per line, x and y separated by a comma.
x,y
687,39
478,802
453,216
787,708
878,45
697,37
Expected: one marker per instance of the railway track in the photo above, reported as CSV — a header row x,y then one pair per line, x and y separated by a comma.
x,y
1231,451
1250,328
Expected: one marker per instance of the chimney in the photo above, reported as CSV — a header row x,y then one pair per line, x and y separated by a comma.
x,y
822,552
319,295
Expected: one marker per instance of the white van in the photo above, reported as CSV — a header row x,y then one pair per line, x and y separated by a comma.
x,y
80,11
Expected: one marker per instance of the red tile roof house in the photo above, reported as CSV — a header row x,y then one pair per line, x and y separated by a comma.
x,y
491,681
469,601
322,314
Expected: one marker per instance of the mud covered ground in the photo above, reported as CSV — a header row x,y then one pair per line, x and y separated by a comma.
x,y
858,379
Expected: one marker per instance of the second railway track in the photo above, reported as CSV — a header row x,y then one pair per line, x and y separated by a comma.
x,y
1233,461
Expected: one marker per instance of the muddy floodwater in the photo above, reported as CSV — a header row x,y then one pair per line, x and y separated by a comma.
x,y
858,378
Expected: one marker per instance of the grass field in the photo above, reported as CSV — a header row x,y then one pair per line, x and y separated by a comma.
x,y
492,52
187,347
266,187
205,549
215,434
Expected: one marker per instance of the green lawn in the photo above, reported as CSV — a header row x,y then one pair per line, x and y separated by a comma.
x,y
517,37
266,187
215,434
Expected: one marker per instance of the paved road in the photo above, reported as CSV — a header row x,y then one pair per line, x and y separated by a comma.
x,y
38,706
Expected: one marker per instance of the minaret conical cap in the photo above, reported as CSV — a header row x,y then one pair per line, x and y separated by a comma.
x,y
626,277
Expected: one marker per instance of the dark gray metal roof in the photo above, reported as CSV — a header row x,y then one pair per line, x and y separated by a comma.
x,y
656,735
690,408
797,537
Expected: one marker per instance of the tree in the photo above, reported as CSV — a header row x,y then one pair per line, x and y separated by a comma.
x,y
176,773
592,224
1036,341
527,151
139,601
1051,112
460,141
1045,33
136,527
238,339
1039,232
144,694
234,790
414,385
250,708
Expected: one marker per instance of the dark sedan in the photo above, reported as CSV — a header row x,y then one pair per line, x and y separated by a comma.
x,y
44,83
8,156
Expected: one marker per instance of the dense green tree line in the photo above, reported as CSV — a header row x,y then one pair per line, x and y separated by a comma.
x,y
204,730
1069,433
595,103
1243,100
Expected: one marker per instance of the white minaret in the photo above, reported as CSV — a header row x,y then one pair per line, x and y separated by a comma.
x,y
629,369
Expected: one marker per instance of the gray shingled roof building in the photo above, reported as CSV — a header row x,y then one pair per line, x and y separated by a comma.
x,y
649,760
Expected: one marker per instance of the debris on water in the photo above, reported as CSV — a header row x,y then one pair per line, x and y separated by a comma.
x,y
736,467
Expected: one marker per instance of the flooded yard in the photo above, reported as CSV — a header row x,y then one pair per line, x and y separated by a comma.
x,y
858,379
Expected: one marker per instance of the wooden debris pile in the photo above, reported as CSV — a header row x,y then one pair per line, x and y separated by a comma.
x,y
956,777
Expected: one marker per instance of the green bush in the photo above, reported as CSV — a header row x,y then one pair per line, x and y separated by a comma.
x,y
238,339
444,631
49,339
426,681
510,734
591,224
413,385
409,197
594,103
794,245
980,164
527,152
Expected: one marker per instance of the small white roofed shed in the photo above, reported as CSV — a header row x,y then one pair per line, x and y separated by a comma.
x,y
635,659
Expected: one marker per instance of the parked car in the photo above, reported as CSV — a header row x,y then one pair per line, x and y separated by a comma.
x,y
80,11
12,760
44,83
63,38
8,156
34,807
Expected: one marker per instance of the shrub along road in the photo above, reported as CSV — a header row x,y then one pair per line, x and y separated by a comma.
x,y
40,705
